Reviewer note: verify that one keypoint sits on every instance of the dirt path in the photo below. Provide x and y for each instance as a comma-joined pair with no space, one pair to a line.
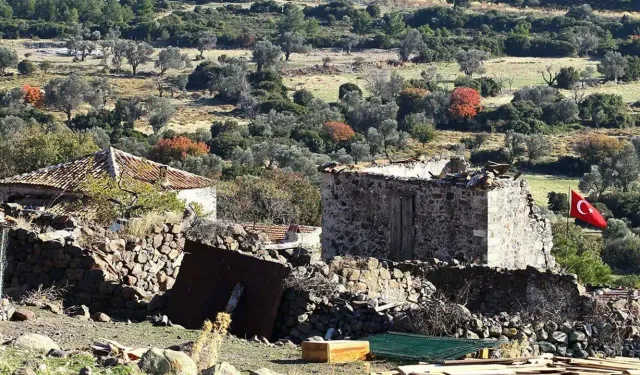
71,333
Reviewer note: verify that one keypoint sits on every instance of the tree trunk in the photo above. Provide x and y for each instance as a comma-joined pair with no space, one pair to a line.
133,68
286,56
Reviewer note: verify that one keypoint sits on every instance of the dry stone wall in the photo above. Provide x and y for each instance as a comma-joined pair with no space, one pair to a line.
105,271
498,227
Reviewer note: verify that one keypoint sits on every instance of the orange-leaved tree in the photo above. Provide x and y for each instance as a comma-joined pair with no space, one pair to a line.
339,131
33,96
178,148
464,103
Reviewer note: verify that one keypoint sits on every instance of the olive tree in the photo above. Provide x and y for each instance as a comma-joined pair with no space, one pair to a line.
171,58
206,41
8,58
613,66
137,53
292,42
472,61
66,94
266,55
159,112
411,43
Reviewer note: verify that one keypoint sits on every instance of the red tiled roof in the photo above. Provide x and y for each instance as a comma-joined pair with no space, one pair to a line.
276,233
71,176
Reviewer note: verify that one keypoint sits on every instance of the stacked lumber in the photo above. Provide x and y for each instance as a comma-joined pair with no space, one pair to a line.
546,364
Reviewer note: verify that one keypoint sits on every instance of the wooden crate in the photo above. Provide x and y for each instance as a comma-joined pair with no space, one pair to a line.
338,351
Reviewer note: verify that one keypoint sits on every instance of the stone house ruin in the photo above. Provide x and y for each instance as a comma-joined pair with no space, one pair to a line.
412,210
51,186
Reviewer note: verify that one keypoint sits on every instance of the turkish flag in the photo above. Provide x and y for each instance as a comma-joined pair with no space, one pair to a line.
583,210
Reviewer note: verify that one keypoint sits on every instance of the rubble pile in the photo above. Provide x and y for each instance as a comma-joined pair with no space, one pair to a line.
354,297
457,172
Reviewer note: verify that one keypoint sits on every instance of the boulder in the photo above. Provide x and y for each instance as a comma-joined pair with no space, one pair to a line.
559,337
223,368
35,342
22,315
263,371
101,317
546,347
159,362
575,336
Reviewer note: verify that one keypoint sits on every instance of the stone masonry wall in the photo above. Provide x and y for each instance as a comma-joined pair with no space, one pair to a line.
103,270
495,227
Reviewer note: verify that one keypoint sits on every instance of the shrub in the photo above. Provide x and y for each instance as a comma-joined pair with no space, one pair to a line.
177,148
338,131
348,87
27,68
605,110
558,202
465,103
579,253
302,97
281,106
567,77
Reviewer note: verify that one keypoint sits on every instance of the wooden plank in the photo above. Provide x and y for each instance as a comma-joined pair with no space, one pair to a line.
406,251
235,297
395,218
339,351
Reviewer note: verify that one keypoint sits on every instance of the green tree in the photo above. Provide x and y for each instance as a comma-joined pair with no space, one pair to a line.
290,43
568,77
292,21
137,53
206,41
8,58
27,68
472,61
411,43
125,197
171,58
394,23
361,22
66,94
579,253
266,55
613,66
423,133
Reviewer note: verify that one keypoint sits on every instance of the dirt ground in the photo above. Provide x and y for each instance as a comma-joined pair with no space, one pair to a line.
71,333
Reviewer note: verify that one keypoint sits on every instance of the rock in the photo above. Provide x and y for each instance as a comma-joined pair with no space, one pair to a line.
471,335
546,347
263,371
53,236
24,371
580,354
22,315
550,327
57,353
577,336
35,342
159,362
284,342
101,317
223,368
85,371
559,337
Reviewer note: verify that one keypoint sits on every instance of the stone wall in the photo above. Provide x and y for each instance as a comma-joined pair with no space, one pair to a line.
498,227
103,270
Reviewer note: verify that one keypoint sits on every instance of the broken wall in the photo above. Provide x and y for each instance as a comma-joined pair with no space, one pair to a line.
400,218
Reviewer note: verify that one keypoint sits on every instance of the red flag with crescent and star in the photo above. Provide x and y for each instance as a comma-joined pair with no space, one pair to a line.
583,210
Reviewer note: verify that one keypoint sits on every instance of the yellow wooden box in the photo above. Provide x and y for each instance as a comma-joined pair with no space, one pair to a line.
338,351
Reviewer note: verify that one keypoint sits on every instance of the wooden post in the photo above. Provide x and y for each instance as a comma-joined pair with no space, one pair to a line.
235,297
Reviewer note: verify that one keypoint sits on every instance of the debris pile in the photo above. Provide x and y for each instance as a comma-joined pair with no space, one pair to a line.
6,309
456,172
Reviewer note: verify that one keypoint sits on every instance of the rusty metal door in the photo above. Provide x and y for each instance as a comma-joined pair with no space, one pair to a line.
402,226
206,281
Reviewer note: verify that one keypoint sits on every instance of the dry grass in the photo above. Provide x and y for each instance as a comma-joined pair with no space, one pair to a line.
141,226
206,349
512,349
42,296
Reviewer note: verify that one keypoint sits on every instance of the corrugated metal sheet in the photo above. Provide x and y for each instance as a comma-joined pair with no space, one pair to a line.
206,280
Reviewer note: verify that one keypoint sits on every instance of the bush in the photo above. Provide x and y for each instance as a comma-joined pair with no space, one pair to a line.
605,110
282,106
567,77
558,202
26,67
302,97
628,281
579,253
348,87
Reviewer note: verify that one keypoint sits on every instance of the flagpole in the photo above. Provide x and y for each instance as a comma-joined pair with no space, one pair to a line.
566,238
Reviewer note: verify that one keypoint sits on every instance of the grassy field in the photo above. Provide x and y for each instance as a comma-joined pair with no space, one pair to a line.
541,185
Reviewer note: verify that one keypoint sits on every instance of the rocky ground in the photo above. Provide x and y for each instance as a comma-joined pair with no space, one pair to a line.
72,333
